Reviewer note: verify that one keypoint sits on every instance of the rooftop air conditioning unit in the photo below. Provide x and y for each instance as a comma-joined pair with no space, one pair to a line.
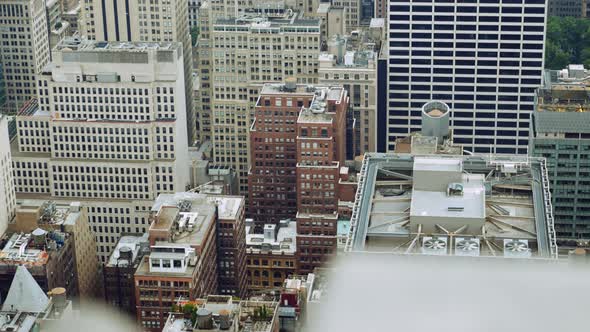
467,246
434,245
516,248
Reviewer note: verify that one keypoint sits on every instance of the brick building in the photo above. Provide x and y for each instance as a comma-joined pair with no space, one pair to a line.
231,244
321,152
119,284
273,151
271,255
182,263
298,143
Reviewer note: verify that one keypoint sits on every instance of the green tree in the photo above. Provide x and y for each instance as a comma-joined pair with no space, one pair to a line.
555,57
567,42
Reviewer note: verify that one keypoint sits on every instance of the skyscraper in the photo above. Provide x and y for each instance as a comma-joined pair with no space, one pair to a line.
115,116
143,21
24,48
237,56
484,59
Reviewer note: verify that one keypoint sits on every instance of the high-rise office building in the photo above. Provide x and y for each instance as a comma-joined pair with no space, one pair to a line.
484,59
7,194
321,151
560,132
109,129
24,49
273,152
237,56
143,21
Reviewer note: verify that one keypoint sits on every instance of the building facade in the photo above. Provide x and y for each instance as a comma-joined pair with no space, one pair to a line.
7,192
273,151
136,21
182,263
352,63
48,221
264,47
560,133
231,244
271,255
353,12
483,59
25,49
321,151
115,115
119,271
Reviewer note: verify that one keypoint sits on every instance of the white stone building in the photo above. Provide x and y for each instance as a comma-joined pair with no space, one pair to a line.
109,129
7,194
24,48
144,21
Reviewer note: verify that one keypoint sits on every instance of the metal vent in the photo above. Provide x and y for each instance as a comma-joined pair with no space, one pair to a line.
467,246
516,248
434,245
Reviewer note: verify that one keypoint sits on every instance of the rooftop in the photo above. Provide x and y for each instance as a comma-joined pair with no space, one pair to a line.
221,313
358,50
228,208
21,250
261,21
27,306
318,111
276,239
127,249
189,213
50,212
78,44
494,206
563,101
280,88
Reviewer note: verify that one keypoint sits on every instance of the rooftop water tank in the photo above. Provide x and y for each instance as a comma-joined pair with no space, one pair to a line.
435,120
204,319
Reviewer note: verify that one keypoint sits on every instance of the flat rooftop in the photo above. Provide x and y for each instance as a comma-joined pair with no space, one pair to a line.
262,21
133,243
494,205
282,242
51,212
318,111
192,212
282,89
84,45
228,207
